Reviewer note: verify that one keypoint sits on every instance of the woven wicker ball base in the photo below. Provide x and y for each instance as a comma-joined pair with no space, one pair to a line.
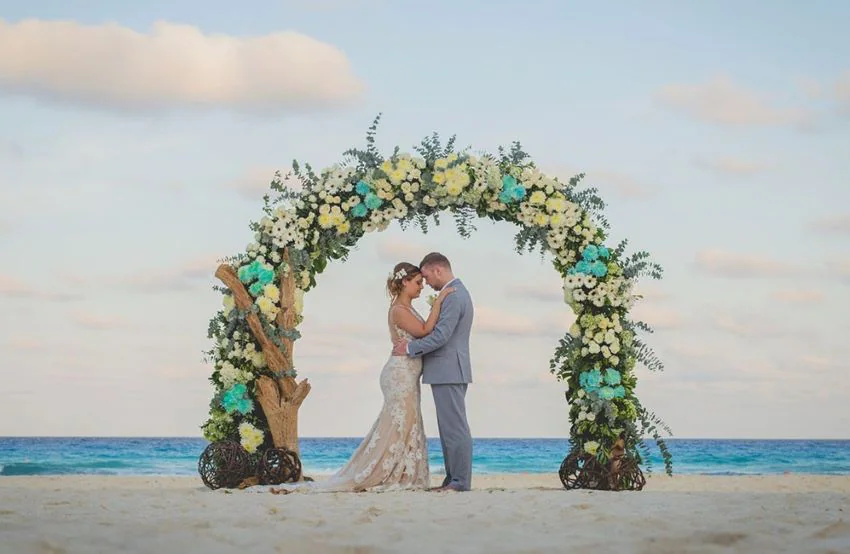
279,465
580,470
224,464
227,465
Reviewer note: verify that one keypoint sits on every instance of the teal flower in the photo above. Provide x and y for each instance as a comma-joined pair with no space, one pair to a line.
612,376
604,253
360,210
265,276
372,201
590,380
606,393
598,269
256,289
591,253
248,273
619,391
512,191
236,400
362,187
583,267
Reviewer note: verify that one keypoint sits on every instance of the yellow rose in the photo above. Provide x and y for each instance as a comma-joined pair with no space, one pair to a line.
439,178
454,189
271,291
541,220
325,221
441,163
537,197
343,228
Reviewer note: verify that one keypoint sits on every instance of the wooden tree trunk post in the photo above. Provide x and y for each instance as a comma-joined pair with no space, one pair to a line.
282,397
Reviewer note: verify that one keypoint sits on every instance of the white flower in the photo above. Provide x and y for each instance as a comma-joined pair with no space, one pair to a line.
591,447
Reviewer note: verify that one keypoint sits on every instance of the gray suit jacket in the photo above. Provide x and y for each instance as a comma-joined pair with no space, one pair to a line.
445,351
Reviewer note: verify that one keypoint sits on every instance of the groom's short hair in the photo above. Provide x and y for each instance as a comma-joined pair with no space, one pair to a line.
435,258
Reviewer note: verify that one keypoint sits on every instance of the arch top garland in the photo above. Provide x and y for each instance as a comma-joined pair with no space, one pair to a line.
302,230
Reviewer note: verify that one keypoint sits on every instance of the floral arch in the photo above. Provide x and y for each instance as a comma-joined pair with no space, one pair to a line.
301,231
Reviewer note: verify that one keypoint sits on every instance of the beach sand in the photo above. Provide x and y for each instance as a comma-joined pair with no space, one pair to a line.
518,513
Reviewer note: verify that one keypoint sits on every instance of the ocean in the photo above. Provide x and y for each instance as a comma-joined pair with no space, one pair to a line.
179,456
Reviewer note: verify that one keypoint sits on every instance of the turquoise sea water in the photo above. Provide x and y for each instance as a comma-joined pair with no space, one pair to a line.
179,456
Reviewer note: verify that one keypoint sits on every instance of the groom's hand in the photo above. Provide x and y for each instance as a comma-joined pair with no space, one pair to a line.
400,347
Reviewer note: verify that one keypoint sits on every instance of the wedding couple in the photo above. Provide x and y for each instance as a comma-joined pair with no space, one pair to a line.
394,454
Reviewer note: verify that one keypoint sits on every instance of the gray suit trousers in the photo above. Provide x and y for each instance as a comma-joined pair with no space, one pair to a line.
455,437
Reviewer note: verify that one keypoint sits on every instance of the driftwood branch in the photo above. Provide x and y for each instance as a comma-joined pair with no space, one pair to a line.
282,397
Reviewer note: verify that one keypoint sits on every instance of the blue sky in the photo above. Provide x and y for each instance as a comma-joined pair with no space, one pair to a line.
717,134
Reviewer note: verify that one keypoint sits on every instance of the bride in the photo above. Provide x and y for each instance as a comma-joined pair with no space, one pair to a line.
394,454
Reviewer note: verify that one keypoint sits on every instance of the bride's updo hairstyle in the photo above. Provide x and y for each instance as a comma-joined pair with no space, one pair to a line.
403,271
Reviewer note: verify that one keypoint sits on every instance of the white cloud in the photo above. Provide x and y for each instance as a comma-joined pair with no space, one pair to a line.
491,321
735,166
173,64
810,87
748,326
256,182
181,277
722,101
841,267
617,182
14,288
842,92
99,322
658,317
798,296
835,224
730,264
24,343
394,250
544,291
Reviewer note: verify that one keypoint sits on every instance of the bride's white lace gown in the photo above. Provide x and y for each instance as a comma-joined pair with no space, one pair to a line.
394,454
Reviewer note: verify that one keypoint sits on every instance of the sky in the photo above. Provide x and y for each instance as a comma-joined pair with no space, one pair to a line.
137,141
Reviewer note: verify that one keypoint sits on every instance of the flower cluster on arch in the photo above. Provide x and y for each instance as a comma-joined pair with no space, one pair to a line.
326,215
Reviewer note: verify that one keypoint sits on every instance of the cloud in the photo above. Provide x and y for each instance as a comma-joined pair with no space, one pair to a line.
11,150
724,102
798,296
14,288
748,326
256,182
658,317
835,224
541,291
841,268
178,278
172,65
97,322
617,182
842,93
818,362
25,343
735,166
392,250
494,322
730,264
810,87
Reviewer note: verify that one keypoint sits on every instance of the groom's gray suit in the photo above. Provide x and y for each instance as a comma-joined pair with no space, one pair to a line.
446,367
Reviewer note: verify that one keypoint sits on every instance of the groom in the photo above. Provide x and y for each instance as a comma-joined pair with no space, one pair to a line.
446,367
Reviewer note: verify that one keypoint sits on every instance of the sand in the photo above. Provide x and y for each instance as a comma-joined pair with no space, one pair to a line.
505,513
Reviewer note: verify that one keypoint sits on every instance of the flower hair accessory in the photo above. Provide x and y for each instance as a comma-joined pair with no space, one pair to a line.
400,274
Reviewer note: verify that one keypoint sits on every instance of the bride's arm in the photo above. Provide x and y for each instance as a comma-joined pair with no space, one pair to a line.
405,319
